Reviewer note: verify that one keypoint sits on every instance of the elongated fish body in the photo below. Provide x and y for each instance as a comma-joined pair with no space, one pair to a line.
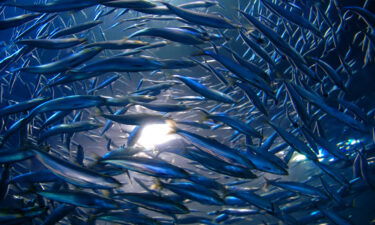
118,44
295,18
54,118
181,35
154,203
81,199
215,164
163,10
300,188
129,4
136,119
252,198
22,106
17,21
64,64
75,174
294,142
121,64
234,123
150,112
165,107
205,91
76,29
240,71
198,18
127,217
69,103
151,167
195,192
11,156
59,213
215,148
52,7
52,43
70,128
41,176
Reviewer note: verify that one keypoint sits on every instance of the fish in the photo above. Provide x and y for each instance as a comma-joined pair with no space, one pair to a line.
204,91
52,43
198,18
154,203
118,44
184,35
120,64
17,20
74,174
186,112
64,64
301,188
157,168
70,128
80,199
127,217
22,106
75,29
193,191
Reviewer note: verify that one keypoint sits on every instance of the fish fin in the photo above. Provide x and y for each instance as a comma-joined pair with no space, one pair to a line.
98,112
266,184
128,174
172,124
106,193
157,185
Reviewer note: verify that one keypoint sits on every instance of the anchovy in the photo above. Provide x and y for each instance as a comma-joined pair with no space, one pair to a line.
75,29
205,91
151,167
194,191
74,174
70,128
22,106
64,64
176,34
52,43
121,64
17,20
126,218
152,202
81,199
118,44
204,19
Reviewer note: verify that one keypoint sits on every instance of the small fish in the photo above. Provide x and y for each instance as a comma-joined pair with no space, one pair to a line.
52,43
74,174
151,167
205,91
64,64
81,199
17,20
199,18
152,202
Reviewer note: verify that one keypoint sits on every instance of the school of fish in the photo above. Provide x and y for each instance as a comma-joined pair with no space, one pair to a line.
270,103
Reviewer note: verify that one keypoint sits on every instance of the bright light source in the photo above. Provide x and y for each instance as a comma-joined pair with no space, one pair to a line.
155,134
298,157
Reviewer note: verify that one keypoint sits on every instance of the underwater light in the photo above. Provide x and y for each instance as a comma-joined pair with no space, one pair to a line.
298,157
155,134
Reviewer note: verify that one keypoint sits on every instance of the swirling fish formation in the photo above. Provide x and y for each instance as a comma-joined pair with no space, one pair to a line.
271,103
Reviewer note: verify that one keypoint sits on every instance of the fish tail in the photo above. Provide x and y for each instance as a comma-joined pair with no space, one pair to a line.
266,184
